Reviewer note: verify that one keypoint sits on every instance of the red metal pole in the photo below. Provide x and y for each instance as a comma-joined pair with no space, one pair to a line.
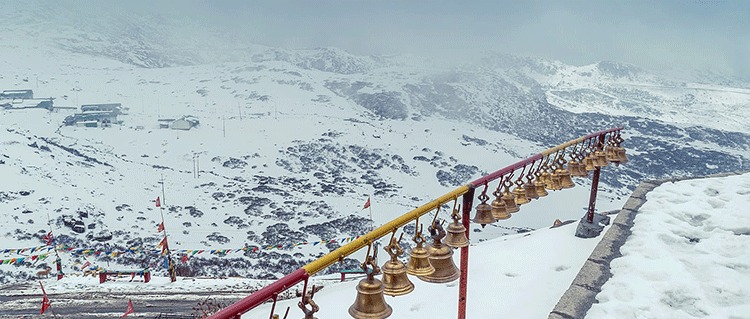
463,280
238,308
594,188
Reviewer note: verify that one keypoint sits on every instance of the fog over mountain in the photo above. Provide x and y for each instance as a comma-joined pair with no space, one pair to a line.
699,38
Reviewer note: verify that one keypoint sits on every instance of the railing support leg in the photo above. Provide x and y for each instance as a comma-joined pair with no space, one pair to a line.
594,189
463,279
592,197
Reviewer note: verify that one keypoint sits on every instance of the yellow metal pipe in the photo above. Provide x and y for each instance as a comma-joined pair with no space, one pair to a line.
348,249
567,144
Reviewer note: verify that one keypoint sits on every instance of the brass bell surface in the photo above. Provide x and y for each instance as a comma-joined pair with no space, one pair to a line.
540,190
554,183
545,179
600,159
530,189
589,162
621,154
395,280
498,209
441,257
498,206
565,180
520,194
611,154
419,262
510,202
456,237
575,169
582,172
370,302
484,212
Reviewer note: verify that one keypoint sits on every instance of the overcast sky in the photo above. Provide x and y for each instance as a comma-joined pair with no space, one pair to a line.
653,34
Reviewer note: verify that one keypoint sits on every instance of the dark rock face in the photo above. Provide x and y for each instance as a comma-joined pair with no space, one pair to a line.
234,163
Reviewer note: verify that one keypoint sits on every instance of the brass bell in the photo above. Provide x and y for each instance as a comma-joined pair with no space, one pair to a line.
565,180
589,162
611,154
621,154
498,207
582,170
539,184
540,191
520,194
600,159
530,188
441,257
395,280
554,182
484,212
510,200
456,237
575,168
370,302
419,262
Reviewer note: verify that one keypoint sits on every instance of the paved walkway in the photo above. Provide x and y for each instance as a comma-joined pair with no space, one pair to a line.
581,294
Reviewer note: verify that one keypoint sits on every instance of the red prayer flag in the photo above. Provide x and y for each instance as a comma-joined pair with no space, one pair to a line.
367,203
130,309
158,202
86,264
184,258
163,244
45,300
48,238
160,227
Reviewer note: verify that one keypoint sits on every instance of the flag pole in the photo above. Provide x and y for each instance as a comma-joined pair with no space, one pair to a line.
369,208
170,265
58,261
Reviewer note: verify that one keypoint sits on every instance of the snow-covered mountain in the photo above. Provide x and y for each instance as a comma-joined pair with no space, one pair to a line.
292,142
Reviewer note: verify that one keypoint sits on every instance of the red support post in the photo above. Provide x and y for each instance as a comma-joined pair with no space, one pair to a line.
594,188
463,279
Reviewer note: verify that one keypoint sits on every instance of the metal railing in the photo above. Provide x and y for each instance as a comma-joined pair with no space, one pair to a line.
590,143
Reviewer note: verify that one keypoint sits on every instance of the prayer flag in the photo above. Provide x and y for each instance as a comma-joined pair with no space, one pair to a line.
130,309
367,203
45,300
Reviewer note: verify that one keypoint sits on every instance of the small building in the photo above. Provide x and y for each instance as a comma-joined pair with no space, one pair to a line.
92,119
105,107
184,123
17,94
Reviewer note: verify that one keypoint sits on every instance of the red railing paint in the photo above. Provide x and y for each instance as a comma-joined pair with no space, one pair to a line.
238,308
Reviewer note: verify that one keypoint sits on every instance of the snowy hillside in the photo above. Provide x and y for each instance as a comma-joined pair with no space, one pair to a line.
292,142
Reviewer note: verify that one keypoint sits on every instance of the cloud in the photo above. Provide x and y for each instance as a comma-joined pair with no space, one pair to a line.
662,35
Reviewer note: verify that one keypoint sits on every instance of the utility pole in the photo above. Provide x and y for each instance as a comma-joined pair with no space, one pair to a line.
196,165
240,110
224,126
194,156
